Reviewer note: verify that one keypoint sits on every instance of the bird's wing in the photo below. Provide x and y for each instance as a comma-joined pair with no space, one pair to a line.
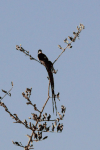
42,57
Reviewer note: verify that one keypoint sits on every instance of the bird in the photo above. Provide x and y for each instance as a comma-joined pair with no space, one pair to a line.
50,69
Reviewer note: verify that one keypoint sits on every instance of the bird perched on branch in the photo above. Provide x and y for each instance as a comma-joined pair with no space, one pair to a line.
50,69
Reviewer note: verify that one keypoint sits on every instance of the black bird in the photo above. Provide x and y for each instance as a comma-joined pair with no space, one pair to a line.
49,67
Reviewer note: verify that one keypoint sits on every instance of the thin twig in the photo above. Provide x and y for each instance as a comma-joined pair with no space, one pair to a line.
77,35
26,52
60,54
6,94
33,132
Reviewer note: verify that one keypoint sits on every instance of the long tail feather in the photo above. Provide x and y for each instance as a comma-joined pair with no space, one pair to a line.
52,86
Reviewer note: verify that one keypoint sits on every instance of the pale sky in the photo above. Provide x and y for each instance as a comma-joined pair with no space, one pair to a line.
42,24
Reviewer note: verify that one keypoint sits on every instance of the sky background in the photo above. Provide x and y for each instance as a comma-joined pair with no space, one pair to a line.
41,24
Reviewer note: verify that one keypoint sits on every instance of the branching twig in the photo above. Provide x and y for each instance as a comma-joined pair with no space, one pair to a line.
7,93
59,55
25,52
40,114
76,34
41,128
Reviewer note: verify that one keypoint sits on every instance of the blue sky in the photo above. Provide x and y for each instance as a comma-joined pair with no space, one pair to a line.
43,25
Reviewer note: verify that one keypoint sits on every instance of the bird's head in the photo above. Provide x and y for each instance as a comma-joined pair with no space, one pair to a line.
39,51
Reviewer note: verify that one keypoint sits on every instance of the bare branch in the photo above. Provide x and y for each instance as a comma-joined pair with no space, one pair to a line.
76,34
37,131
25,52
